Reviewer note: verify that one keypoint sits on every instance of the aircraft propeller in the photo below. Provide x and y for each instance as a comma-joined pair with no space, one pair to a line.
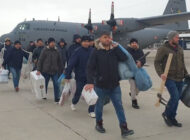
112,22
89,26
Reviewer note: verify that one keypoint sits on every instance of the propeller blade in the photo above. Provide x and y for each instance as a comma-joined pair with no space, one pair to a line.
89,19
112,11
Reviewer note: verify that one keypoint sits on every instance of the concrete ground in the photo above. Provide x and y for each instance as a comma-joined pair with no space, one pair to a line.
23,117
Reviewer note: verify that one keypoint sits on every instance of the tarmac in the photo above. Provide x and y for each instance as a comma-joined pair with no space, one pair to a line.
23,117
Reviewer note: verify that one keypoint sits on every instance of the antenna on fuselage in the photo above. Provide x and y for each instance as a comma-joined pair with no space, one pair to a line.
58,18
33,19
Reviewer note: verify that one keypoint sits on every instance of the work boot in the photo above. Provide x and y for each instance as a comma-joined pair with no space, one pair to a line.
176,123
125,131
167,120
17,89
135,104
99,127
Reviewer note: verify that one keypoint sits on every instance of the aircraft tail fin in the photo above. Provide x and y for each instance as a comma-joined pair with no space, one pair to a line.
174,7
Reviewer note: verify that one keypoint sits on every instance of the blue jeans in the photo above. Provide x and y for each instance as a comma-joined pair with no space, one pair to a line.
80,85
174,89
115,96
8,68
55,84
16,76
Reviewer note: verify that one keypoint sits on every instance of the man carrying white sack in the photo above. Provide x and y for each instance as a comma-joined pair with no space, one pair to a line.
78,63
103,69
49,65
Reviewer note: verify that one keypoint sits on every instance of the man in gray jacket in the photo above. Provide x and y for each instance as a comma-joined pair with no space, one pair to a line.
49,65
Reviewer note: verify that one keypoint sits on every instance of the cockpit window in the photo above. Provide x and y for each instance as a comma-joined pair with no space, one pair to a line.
22,27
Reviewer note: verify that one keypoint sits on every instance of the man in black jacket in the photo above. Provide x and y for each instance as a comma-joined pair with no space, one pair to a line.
137,54
6,50
62,51
103,72
37,51
31,47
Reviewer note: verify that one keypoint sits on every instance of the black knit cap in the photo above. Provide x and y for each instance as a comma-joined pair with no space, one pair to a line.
76,36
39,39
17,42
62,40
133,40
85,38
91,38
51,39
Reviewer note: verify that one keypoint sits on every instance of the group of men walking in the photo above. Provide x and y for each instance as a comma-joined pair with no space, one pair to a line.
95,66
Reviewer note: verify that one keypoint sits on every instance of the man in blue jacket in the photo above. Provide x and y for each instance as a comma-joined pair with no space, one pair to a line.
14,59
75,45
78,62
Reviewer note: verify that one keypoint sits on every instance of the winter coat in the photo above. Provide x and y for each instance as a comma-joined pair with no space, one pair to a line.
103,66
177,69
15,58
137,54
71,49
49,61
78,62
62,52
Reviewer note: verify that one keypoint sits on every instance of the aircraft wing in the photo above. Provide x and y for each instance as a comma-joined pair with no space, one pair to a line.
164,19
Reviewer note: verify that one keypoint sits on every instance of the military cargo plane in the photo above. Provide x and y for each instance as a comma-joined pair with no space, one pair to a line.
146,30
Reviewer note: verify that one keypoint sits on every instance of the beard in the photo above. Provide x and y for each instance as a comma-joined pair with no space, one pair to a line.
106,44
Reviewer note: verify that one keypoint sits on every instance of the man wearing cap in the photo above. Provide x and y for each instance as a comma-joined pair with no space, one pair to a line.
62,50
174,79
31,47
91,42
14,59
6,49
49,65
103,76
37,51
78,63
136,53
75,45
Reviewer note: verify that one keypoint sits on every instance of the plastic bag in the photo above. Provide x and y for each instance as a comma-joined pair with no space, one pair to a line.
90,97
27,66
61,83
65,93
38,85
185,97
142,80
4,76
73,87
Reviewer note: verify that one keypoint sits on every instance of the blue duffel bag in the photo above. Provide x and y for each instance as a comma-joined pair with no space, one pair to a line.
128,70
142,80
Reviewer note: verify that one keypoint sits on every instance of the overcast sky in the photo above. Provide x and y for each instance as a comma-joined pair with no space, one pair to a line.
14,11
